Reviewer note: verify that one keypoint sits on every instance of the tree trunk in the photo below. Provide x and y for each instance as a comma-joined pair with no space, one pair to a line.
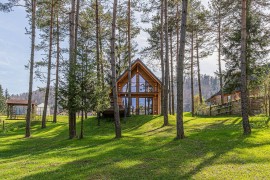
85,115
44,115
101,55
82,119
166,93
97,50
268,100
244,94
265,98
219,57
72,63
33,38
129,58
199,70
192,73
177,32
115,95
76,26
169,92
57,68
97,43
180,73
172,84
162,55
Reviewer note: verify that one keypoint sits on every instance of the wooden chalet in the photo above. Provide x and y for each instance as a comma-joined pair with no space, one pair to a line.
145,91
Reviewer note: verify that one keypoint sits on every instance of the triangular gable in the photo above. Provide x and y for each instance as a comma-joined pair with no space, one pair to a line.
136,63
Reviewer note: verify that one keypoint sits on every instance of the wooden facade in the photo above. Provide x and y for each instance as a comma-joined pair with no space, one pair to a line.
145,90
227,97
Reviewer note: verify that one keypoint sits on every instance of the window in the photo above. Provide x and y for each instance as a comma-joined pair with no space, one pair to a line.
145,106
133,104
133,85
143,85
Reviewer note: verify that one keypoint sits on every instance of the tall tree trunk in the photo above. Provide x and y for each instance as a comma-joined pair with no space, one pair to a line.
72,63
219,56
76,26
97,43
115,95
265,98
268,100
169,93
172,84
180,73
44,115
192,73
166,93
101,57
57,67
177,32
129,58
162,55
97,52
33,38
244,94
199,70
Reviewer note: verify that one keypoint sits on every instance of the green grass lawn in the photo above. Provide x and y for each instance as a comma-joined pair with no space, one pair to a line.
214,148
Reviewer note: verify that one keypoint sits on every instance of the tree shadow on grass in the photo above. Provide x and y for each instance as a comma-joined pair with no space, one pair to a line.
55,136
134,157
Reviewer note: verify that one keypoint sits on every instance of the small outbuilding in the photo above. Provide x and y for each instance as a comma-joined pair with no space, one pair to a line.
17,109
40,109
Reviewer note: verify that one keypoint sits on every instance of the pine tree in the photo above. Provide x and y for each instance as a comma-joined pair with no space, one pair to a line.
72,72
44,115
33,38
244,93
180,72
166,64
115,98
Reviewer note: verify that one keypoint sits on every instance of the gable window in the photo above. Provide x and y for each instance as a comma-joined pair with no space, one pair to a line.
143,85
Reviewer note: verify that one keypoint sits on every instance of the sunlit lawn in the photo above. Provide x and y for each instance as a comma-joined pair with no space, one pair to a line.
214,148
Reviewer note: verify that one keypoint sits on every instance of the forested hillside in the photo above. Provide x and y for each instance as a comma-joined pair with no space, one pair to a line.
209,84
38,96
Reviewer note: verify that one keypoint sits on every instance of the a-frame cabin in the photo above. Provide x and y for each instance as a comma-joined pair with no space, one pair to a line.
145,90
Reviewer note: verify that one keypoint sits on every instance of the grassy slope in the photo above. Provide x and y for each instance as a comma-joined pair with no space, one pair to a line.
214,149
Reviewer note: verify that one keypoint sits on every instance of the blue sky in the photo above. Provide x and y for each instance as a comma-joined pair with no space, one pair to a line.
15,52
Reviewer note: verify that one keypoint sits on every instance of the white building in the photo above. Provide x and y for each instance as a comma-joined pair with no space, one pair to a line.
40,109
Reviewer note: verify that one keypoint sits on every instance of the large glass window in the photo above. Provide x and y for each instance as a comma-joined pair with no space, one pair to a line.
133,104
142,84
133,85
145,106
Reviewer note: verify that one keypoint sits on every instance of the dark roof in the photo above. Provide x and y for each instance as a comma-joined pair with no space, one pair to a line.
134,63
18,102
